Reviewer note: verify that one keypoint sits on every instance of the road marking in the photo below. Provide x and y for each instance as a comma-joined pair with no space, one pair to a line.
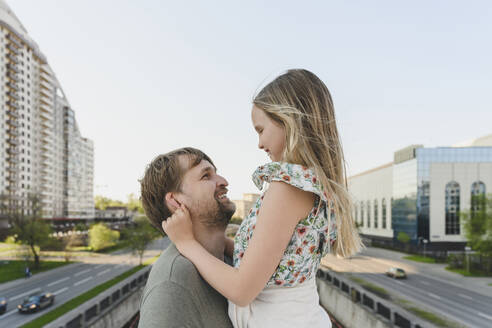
399,282
484,315
434,296
81,272
58,281
25,294
98,266
58,292
8,313
103,272
424,283
466,296
82,281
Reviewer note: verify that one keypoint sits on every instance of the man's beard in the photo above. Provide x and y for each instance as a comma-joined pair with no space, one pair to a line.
214,214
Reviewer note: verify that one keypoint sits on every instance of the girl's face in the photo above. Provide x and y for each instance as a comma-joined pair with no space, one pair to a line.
271,134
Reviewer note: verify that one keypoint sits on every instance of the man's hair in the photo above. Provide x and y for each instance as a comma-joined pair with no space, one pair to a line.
165,174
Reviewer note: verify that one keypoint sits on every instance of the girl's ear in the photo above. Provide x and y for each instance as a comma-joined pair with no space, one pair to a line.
172,203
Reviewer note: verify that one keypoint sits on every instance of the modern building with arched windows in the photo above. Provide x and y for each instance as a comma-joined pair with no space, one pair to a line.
422,193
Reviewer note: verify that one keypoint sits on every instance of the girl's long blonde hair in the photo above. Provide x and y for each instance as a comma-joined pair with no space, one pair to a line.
300,102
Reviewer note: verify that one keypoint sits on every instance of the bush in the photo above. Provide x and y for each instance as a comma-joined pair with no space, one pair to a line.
11,240
100,236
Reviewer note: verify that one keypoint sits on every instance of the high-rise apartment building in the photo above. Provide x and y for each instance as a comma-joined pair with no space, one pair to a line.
41,149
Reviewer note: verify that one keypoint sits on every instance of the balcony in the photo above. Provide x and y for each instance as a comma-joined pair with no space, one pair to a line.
46,108
46,101
44,115
13,68
13,113
12,58
14,40
13,140
45,84
45,93
13,123
13,169
13,151
13,95
13,49
13,86
14,160
13,132
13,104
47,124
12,76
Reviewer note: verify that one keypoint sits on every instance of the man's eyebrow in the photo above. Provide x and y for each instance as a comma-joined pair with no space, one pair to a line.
208,169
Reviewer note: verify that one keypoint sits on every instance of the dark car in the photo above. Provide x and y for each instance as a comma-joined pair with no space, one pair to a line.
36,302
3,305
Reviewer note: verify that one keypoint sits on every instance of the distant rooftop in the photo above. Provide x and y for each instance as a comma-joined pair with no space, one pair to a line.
485,141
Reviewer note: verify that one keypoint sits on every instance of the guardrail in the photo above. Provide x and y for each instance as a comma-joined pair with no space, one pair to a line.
386,311
97,307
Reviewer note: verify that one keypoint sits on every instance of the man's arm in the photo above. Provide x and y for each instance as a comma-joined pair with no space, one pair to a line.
169,305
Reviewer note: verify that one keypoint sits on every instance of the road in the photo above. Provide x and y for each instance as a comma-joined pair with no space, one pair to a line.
70,281
431,293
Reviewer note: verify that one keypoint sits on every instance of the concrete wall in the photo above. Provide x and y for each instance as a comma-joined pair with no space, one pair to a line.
355,307
121,314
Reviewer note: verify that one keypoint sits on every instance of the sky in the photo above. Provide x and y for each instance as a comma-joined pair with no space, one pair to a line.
146,77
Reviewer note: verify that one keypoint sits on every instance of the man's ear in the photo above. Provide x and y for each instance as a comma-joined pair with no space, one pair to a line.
172,203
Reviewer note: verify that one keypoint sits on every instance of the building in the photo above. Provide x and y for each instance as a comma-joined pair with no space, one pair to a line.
41,149
244,205
422,193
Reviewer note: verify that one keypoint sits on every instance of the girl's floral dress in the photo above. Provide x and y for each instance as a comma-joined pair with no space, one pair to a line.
313,235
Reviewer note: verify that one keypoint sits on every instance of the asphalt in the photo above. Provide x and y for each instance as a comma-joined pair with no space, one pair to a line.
467,301
68,282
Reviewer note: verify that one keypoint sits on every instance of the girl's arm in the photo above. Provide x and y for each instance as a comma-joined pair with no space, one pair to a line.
282,208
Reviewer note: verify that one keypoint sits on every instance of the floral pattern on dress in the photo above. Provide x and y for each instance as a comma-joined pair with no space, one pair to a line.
308,244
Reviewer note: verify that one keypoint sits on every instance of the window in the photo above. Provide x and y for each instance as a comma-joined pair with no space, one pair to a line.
452,208
368,214
361,214
478,199
383,208
376,218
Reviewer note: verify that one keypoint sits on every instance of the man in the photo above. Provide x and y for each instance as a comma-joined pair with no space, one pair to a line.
175,294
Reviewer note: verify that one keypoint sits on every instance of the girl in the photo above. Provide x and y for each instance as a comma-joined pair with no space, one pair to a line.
304,214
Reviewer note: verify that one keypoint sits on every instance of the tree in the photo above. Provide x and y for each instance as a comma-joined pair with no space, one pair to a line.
141,235
28,226
403,237
134,204
477,224
100,236
102,202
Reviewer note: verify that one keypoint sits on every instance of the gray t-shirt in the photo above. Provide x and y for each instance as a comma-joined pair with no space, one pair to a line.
177,296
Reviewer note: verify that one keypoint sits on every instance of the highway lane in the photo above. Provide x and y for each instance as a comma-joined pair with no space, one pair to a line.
67,283
441,297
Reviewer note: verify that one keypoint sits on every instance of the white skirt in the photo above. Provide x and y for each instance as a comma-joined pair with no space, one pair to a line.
295,307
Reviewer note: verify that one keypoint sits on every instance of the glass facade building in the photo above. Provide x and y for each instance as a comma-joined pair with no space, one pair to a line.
411,189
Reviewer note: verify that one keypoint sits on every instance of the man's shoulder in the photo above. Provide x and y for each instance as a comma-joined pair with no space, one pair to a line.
173,267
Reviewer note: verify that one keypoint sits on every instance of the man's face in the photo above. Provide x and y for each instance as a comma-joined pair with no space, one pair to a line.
203,192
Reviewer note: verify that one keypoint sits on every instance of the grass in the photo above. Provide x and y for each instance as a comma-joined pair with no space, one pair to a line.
381,292
419,258
73,303
12,270
426,315
466,273
119,245
490,284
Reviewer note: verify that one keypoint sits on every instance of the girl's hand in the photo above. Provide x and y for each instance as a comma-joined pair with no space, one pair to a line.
179,228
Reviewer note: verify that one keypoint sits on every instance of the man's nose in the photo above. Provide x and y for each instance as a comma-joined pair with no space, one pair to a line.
260,144
221,181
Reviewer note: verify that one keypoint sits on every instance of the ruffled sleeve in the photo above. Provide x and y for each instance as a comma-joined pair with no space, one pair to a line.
294,174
